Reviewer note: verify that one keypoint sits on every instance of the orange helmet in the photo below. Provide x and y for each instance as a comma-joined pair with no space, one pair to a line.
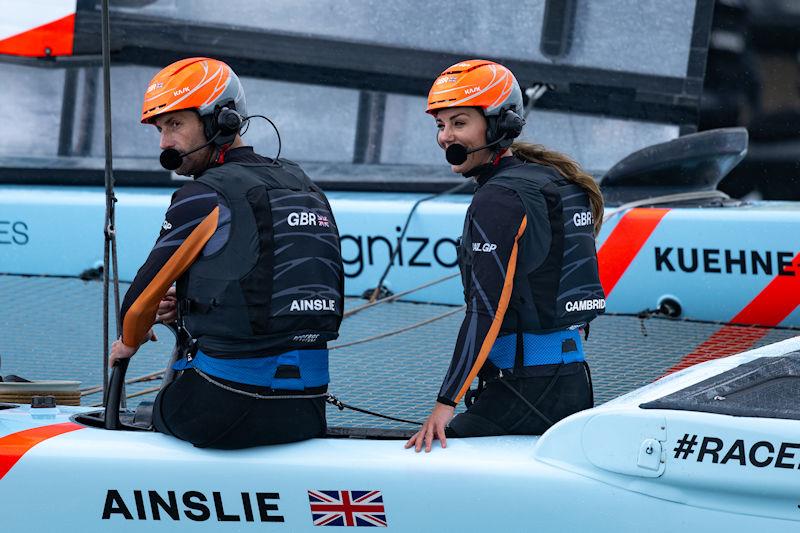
476,83
195,83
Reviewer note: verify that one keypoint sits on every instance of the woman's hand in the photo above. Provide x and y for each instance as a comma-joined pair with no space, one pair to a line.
433,428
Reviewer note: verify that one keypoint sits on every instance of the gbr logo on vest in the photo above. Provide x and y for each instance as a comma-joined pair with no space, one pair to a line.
584,218
307,218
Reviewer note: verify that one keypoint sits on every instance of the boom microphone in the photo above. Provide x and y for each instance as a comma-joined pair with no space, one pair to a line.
171,159
456,154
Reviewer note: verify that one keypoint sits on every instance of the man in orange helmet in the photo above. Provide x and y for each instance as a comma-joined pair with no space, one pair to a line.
254,249
528,263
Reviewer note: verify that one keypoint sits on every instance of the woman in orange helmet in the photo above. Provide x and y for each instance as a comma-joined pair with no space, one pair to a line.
528,264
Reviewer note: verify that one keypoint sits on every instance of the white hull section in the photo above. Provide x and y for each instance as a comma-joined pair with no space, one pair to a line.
613,468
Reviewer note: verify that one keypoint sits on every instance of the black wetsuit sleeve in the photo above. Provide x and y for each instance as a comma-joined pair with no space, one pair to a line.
189,223
496,221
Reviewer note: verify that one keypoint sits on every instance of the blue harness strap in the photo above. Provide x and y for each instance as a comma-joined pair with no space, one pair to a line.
539,349
294,370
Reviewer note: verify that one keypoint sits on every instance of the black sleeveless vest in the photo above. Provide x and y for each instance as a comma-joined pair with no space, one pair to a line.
564,290
277,283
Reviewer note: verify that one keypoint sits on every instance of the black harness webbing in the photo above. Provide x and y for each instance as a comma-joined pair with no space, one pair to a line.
519,358
532,406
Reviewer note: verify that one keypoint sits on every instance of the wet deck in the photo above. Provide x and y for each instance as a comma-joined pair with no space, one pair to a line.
51,328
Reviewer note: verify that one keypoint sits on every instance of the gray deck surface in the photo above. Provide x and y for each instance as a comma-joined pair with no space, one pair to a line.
51,328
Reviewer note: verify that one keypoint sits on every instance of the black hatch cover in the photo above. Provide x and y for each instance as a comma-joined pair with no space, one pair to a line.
767,387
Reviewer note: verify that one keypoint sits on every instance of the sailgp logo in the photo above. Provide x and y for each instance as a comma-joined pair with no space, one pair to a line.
313,305
483,247
585,305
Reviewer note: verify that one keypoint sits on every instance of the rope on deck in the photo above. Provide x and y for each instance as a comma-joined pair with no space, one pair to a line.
399,330
399,295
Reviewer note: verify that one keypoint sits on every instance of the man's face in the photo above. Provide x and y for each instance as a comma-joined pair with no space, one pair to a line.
183,131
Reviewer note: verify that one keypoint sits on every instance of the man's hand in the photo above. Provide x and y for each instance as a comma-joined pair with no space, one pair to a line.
433,428
167,308
120,351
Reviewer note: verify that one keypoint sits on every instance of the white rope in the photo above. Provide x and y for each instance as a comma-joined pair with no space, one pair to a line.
398,331
398,295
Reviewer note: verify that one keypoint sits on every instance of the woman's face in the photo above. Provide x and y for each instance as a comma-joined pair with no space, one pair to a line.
465,126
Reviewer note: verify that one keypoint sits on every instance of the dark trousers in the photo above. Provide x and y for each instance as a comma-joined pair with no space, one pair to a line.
195,410
555,392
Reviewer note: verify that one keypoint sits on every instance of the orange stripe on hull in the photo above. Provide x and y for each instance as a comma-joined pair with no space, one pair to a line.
769,308
776,301
624,244
14,446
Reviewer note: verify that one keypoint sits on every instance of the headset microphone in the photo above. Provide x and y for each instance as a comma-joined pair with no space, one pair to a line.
456,154
171,159
507,127
224,123
227,123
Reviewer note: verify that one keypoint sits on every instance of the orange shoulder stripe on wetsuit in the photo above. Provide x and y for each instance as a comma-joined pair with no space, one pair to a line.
141,314
497,320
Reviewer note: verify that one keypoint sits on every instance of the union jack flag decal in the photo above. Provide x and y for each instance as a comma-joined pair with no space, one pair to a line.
359,508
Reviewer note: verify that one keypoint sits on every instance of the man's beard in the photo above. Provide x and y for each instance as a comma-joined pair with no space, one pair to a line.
196,163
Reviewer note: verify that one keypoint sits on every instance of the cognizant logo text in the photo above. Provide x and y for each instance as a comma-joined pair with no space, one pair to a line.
360,251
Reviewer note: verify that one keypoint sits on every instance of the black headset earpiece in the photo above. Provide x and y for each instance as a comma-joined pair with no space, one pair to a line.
510,123
228,121
504,128
507,125
225,123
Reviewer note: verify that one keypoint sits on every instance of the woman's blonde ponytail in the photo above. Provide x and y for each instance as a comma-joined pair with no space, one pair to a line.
536,153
